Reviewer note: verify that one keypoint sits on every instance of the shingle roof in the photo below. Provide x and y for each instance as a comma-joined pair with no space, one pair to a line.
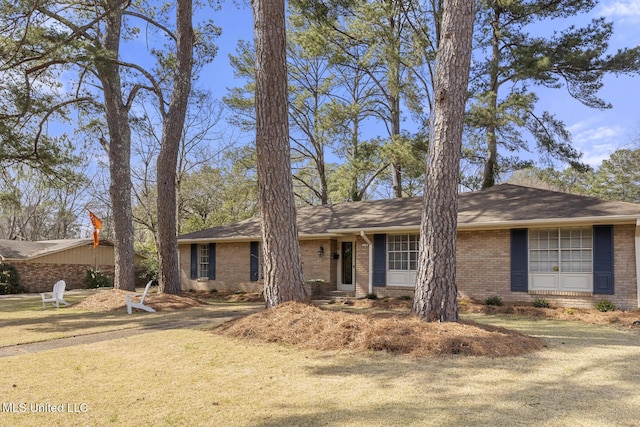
22,250
496,207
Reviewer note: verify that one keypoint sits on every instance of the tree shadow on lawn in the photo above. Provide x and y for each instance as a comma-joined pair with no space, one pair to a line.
31,302
374,414
575,334
44,325
584,378
445,395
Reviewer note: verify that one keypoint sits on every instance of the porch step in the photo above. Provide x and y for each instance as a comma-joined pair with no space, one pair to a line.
333,295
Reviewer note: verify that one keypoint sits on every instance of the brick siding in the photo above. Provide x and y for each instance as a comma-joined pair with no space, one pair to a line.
484,270
232,267
361,249
483,262
38,277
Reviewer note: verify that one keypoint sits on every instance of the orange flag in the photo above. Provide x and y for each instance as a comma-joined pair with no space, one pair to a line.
97,226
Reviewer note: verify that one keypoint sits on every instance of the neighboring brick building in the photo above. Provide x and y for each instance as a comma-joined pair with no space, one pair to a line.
515,242
40,264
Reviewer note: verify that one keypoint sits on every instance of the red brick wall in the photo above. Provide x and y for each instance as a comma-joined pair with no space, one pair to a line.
41,277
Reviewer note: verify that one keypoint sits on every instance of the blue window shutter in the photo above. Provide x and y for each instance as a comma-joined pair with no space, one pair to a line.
212,261
194,261
603,259
519,260
379,260
254,262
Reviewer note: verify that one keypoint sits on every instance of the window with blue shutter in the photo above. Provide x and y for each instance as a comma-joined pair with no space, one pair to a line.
203,261
379,260
194,261
212,261
254,261
603,259
519,261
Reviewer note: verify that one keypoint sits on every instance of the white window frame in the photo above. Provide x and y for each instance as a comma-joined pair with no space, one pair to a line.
561,259
402,259
203,261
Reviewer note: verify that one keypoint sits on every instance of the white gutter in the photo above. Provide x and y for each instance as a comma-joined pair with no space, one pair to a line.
637,239
366,239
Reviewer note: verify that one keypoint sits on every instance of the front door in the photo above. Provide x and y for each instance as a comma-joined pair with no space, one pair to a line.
346,270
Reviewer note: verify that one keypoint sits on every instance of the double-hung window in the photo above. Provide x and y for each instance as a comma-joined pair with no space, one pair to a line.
561,258
402,259
203,261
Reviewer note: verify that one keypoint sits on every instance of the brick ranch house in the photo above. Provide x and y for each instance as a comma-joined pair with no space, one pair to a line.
42,263
515,242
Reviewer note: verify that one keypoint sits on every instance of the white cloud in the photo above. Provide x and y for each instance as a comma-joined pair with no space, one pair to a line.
597,143
623,9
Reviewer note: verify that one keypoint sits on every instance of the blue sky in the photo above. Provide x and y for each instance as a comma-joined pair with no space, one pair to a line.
599,133
596,133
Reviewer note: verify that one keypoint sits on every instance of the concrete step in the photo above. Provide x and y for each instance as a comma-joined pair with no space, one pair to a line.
334,295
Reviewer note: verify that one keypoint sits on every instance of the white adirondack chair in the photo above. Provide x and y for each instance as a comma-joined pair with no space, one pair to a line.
56,297
139,304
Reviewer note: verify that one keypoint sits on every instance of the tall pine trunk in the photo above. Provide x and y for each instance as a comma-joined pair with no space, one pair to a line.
490,170
435,298
173,124
283,280
119,150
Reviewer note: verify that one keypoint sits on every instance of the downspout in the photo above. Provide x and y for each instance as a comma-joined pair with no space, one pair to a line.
638,260
366,239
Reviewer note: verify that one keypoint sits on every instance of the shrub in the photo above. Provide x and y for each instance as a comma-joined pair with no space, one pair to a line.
404,298
96,279
605,305
372,296
570,311
493,300
148,270
10,280
541,303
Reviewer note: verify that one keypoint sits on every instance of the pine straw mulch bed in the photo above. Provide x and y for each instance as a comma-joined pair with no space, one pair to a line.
371,325
311,327
114,299
623,319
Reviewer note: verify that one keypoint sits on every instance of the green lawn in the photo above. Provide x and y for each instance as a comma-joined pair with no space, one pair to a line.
588,376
